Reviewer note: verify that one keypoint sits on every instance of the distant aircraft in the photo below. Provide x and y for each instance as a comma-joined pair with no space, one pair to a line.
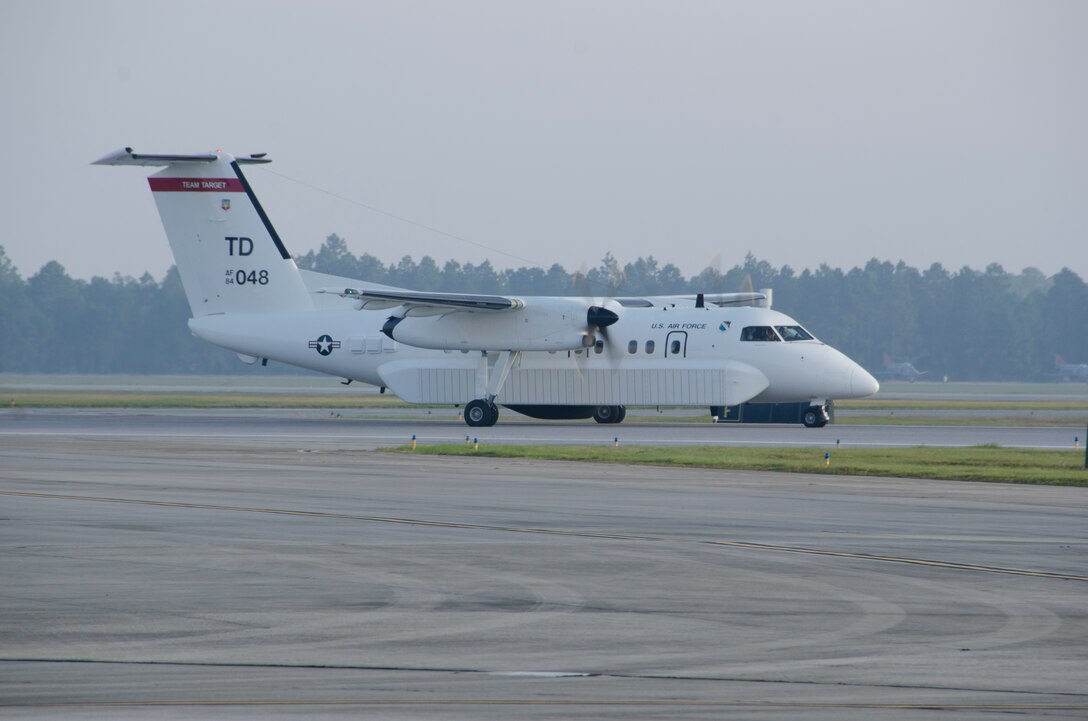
547,357
899,371
1071,372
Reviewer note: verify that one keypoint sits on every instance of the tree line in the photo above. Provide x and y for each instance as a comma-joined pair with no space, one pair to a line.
965,324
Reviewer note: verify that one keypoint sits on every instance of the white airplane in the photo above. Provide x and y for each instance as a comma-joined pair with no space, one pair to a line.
543,356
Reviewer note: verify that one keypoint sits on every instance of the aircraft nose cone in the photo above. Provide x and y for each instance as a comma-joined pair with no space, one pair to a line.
862,383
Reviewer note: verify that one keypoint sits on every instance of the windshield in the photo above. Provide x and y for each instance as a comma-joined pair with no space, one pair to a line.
759,332
793,332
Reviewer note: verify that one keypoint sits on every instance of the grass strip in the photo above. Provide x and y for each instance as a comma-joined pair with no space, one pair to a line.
960,404
175,399
309,399
977,463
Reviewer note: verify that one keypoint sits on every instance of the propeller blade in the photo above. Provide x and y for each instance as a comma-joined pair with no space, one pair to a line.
612,350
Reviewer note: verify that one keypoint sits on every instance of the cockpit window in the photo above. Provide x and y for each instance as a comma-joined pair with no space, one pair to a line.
793,332
759,332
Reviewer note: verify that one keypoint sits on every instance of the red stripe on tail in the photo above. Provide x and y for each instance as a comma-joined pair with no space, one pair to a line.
196,185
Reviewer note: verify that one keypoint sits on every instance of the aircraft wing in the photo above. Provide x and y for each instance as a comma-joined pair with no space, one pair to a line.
694,300
380,299
722,299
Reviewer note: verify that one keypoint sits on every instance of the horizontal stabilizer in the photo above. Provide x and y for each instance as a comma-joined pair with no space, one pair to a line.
125,156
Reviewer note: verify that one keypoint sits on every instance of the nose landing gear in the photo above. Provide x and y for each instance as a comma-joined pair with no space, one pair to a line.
815,417
609,414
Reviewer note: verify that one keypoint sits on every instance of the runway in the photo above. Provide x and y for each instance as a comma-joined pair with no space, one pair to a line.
367,429
220,567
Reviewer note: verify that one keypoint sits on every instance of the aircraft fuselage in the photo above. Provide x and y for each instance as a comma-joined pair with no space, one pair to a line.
654,356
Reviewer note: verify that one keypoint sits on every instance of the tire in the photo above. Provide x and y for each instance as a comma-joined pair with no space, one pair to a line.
814,417
606,414
621,414
480,413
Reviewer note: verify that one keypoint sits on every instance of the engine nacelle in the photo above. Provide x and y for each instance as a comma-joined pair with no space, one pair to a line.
541,324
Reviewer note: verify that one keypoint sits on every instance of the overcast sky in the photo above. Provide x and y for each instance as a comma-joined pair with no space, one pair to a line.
554,132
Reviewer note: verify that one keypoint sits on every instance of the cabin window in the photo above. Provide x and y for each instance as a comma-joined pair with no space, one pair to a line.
793,332
649,347
759,333
632,347
598,347
674,347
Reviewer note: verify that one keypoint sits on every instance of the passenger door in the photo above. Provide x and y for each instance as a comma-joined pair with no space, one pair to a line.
676,344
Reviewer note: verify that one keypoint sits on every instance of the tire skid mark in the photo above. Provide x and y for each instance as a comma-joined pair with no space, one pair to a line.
743,545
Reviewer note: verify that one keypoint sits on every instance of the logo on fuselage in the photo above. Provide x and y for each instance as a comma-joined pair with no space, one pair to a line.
724,325
324,344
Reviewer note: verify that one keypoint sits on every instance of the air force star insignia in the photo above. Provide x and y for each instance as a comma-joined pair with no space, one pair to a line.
324,344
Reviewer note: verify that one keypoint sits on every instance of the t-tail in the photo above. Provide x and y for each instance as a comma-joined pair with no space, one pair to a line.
230,258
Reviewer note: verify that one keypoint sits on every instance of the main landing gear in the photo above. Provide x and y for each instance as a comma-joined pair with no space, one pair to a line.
609,414
481,413
490,377
815,416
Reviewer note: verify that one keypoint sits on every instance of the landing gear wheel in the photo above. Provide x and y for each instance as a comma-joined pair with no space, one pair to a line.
480,413
609,414
814,417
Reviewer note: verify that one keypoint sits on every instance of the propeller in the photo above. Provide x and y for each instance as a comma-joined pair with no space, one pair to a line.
600,314
600,318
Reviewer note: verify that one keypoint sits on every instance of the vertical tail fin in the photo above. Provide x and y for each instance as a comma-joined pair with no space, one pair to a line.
229,256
